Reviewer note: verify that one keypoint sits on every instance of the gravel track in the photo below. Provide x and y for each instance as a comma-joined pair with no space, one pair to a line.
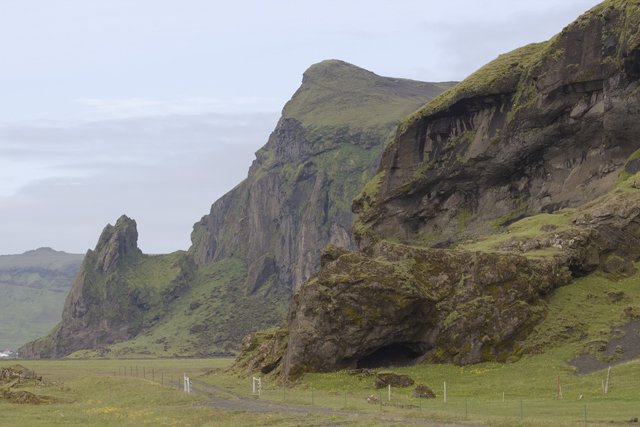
240,403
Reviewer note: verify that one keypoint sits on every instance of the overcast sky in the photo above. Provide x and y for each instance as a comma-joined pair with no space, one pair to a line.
154,108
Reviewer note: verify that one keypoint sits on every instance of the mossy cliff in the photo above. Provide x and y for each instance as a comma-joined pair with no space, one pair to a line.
513,149
459,306
477,303
104,304
547,126
260,240
297,196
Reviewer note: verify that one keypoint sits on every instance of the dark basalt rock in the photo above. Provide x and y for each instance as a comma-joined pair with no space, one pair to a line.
424,391
542,128
449,305
297,195
392,379
446,306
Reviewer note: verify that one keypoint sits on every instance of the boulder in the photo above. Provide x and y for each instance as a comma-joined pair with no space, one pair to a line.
392,379
424,391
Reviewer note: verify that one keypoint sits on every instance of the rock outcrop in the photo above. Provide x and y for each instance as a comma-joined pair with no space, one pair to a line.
296,198
104,306
456,306
547,126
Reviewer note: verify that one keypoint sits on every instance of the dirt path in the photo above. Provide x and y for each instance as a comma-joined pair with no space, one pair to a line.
629,344
240,403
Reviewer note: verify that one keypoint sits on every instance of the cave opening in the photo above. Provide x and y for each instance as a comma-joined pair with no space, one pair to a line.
393,355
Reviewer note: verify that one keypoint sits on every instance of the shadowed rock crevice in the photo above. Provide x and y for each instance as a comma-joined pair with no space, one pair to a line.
393,355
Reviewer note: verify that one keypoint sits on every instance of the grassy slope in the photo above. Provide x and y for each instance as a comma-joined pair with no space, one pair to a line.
577,315
212,316
346,95
33,288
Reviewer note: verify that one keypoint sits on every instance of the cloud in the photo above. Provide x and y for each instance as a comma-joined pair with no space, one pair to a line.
142,107
66,183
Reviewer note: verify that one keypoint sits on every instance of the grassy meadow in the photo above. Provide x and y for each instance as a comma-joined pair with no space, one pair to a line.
578,315
475,393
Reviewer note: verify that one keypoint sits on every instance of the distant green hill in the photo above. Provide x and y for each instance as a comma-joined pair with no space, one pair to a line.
33,288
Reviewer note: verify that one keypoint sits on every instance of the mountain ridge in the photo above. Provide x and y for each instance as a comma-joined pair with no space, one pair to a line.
258,241
516,147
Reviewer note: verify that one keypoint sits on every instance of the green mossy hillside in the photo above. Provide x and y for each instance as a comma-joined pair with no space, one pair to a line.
209,319
33,288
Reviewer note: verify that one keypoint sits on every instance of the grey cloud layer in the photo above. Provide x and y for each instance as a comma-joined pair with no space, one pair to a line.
162,171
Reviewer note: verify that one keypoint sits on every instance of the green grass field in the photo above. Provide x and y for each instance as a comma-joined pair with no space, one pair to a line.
477,392
103,395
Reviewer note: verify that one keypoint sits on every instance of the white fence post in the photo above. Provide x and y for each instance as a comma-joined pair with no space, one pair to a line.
259,381
188,387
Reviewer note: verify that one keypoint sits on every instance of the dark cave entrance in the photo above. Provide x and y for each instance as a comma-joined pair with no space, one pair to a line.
394,355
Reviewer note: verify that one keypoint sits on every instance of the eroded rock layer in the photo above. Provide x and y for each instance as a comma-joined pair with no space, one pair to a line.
455,306
297,196
547,126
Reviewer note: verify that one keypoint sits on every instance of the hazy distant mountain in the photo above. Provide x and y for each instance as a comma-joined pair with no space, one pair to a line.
33,288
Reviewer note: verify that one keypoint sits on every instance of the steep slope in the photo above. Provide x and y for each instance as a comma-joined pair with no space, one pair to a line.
169,304
297,196
259,241
33,288
545,127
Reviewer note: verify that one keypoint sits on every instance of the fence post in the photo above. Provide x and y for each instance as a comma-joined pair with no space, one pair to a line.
389,392
445,392
585,414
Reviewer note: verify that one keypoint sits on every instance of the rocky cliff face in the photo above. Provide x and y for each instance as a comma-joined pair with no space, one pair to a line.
420,305
103,305
296,198
546,126
258,242
513,148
